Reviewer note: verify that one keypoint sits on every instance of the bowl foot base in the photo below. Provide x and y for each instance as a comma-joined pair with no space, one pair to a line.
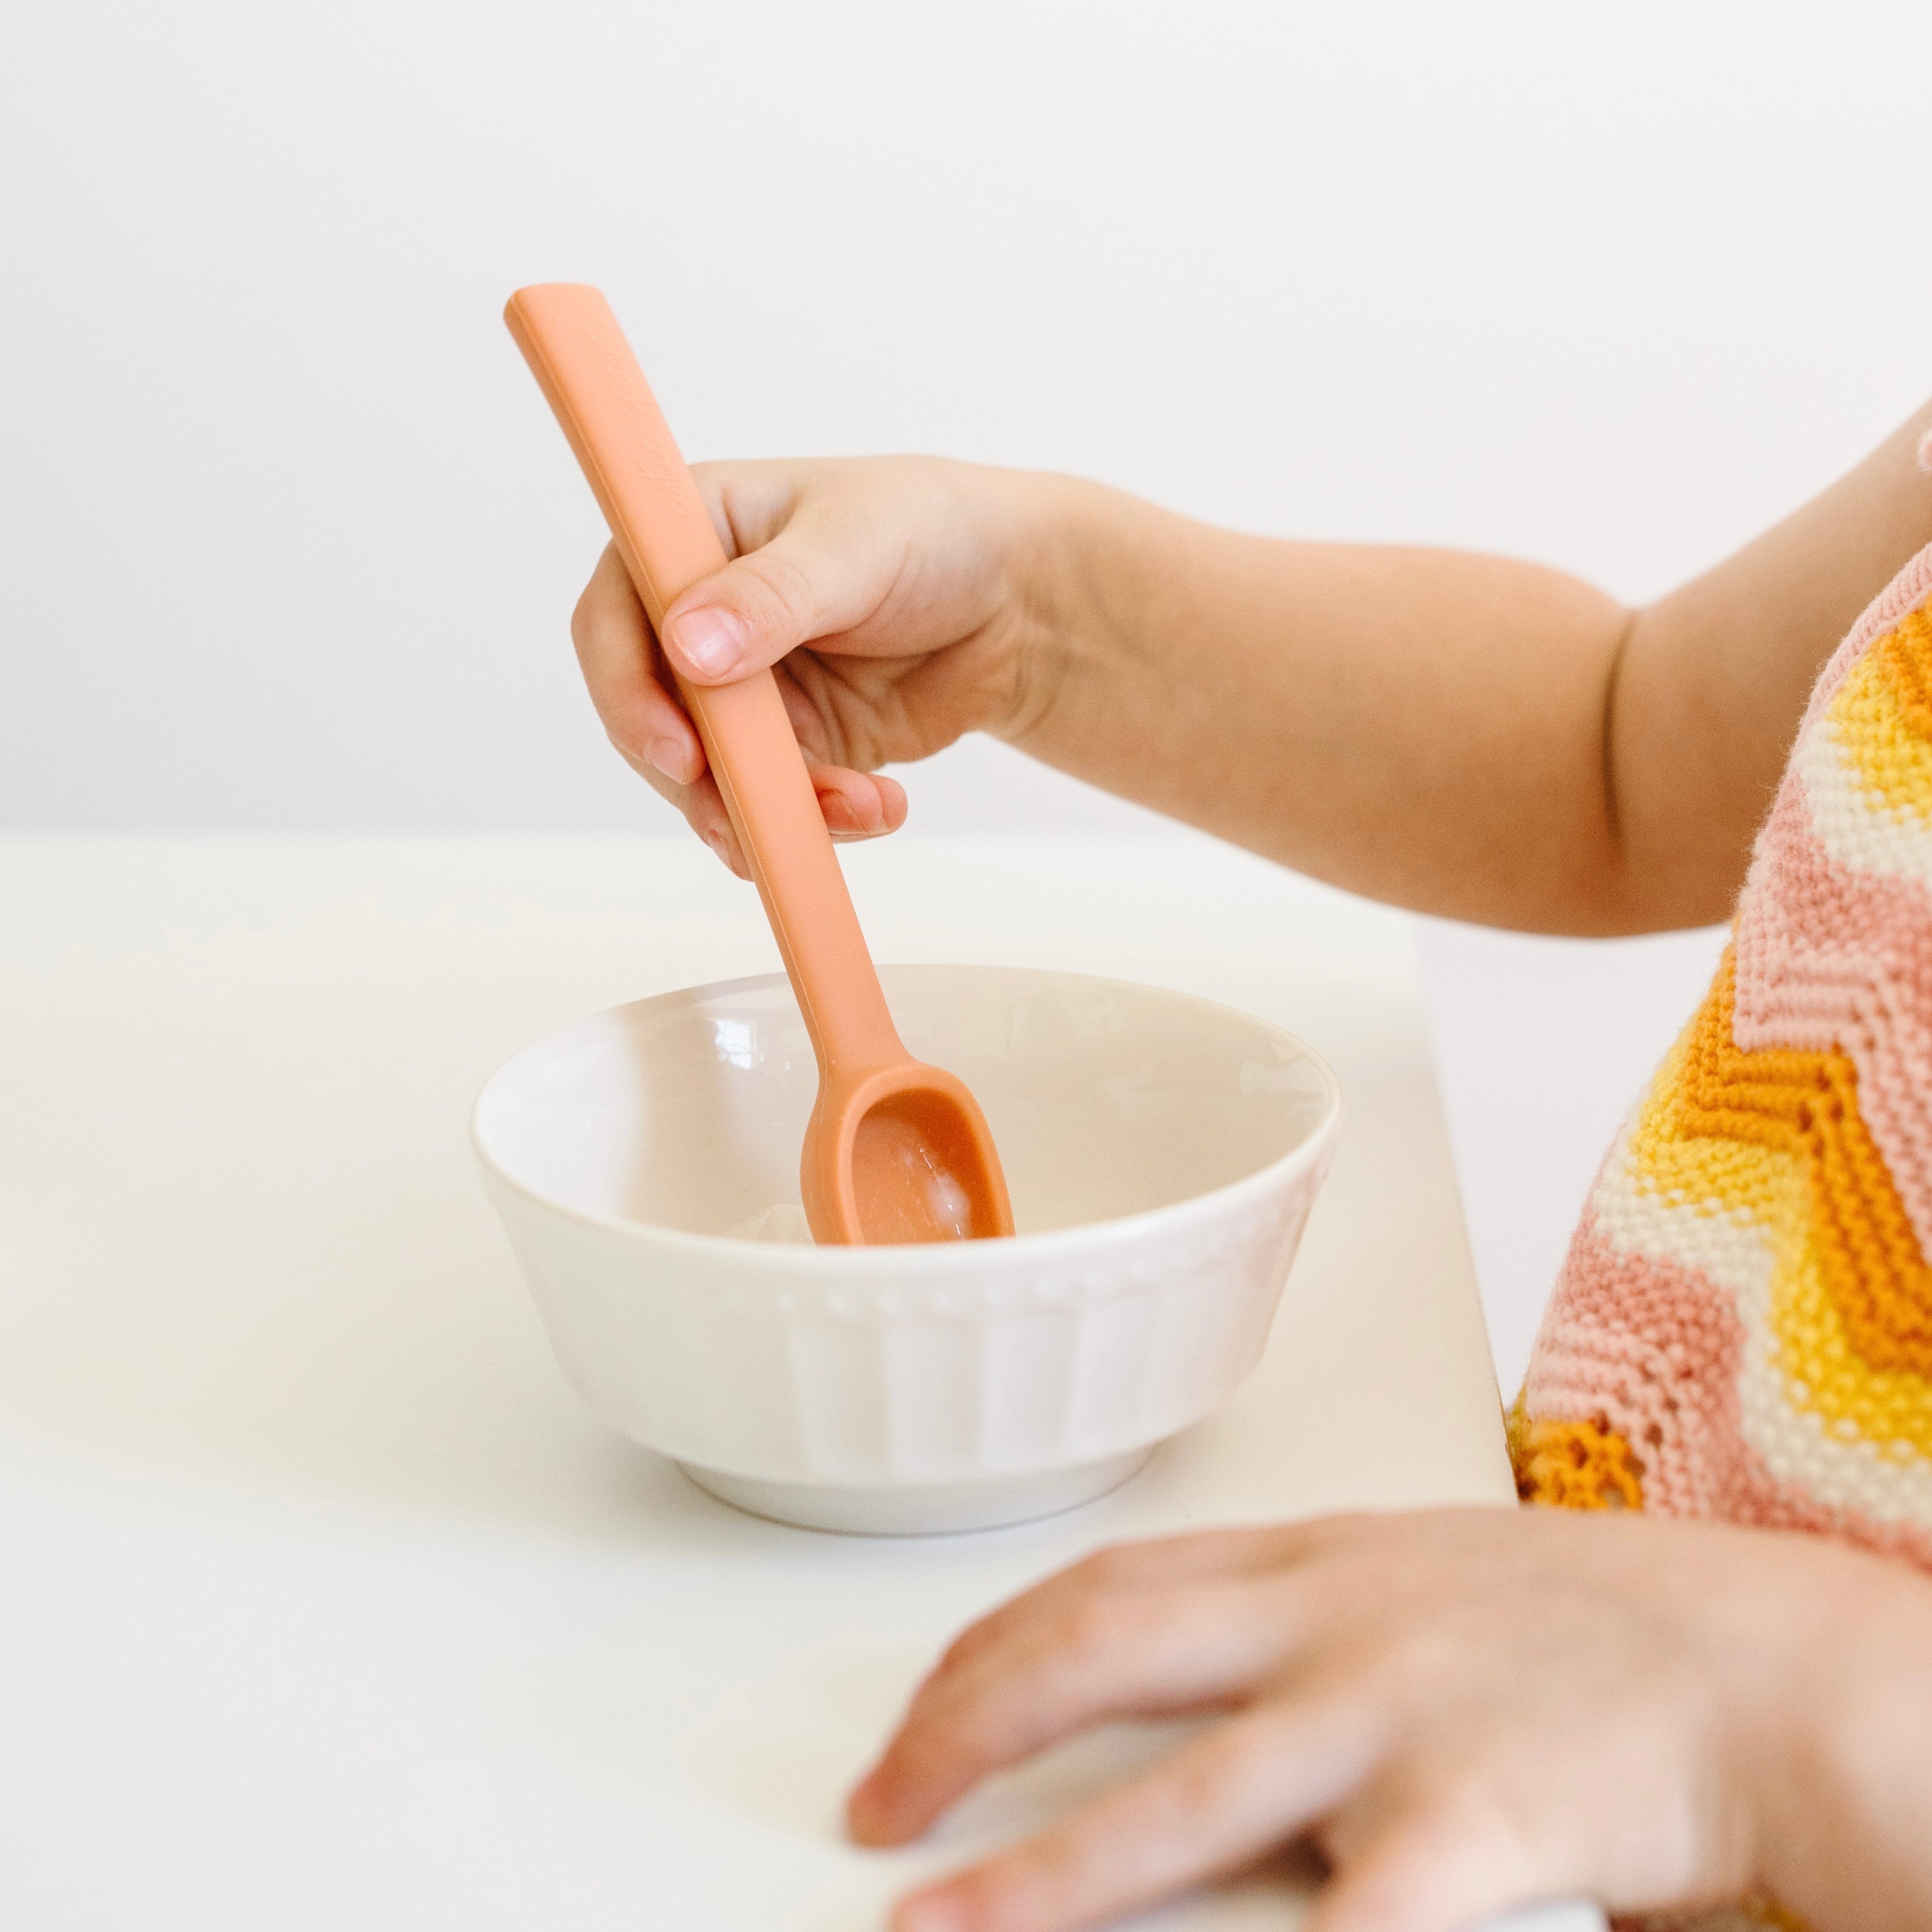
930,1509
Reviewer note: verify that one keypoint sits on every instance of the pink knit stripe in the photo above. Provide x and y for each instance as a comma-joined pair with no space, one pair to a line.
1603,1356
1907,590
1827,959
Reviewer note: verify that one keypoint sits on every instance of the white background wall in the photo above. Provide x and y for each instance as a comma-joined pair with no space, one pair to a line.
290,539
287,539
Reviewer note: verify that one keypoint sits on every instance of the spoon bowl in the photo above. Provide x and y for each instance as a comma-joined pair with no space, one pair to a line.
902,1155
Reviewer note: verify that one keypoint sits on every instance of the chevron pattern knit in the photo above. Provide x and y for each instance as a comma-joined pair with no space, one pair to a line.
1742,1329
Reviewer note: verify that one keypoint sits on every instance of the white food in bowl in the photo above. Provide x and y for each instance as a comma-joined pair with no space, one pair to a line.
1162,1154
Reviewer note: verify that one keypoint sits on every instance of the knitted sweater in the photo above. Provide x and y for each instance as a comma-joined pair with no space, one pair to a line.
1742,1329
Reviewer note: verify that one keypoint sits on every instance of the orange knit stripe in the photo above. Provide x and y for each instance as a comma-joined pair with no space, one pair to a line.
1903,658
1572,1465
1806,1104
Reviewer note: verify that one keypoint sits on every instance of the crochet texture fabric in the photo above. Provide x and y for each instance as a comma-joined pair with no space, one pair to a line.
1742,1328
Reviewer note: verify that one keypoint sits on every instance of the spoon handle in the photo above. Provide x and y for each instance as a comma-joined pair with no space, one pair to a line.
580,358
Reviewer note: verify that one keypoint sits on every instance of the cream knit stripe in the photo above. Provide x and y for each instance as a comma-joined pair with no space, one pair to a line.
1852,827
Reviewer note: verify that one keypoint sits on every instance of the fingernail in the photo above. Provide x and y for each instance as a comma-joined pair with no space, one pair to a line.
668,756
710,641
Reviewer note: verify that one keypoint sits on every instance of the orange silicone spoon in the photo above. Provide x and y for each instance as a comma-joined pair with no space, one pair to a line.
895,1150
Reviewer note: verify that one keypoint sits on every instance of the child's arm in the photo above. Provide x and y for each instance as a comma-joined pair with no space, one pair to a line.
1464,734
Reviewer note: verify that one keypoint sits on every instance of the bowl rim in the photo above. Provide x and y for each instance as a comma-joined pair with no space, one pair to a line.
796,1257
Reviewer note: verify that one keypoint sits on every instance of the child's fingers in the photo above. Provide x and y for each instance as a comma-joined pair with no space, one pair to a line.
640,711
1436,1868
858,804
628,682
1215,1806
703,805
1138,1654
1157,1563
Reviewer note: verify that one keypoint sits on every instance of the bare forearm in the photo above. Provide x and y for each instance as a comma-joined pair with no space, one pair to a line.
1467,735
1422,726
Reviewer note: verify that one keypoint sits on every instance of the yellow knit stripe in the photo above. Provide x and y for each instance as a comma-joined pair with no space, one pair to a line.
1881,718
1775,1138
1715,1176
1891,1410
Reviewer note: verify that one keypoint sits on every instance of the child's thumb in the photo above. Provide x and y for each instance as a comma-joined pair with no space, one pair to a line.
759,607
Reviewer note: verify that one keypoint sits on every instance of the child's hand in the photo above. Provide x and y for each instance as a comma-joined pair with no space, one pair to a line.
885,592
1465,1710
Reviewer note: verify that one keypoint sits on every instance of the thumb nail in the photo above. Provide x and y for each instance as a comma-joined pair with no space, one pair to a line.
710,642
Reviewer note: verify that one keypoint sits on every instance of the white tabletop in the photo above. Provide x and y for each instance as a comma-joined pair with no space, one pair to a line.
322,1602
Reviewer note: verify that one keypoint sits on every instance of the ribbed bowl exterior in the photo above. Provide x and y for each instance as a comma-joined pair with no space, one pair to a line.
882,1368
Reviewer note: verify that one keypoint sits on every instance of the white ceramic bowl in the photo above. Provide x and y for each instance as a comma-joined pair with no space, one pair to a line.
1162,1154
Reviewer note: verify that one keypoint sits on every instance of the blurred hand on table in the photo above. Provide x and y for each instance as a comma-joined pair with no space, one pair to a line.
1463,1711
